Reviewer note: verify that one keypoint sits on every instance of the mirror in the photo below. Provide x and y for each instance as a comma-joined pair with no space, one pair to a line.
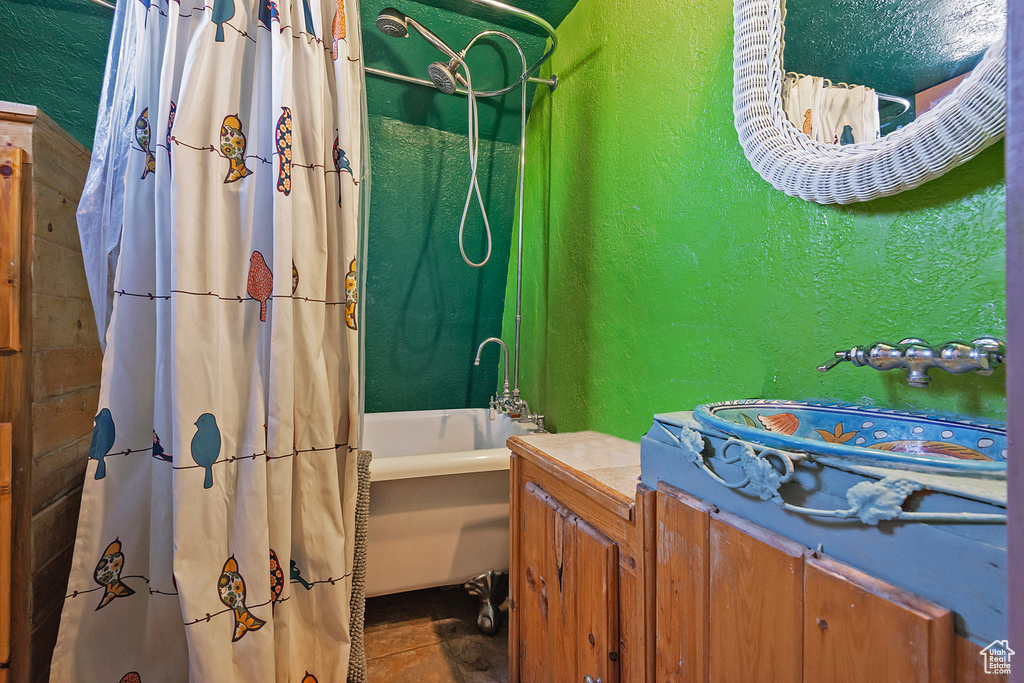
899,48
968,119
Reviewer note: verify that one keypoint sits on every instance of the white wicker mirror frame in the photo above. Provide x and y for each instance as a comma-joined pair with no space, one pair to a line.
968,120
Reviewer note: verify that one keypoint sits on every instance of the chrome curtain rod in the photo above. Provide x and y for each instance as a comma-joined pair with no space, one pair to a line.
493,4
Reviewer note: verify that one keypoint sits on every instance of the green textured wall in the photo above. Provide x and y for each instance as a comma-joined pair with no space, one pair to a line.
426,310
52,56
663,272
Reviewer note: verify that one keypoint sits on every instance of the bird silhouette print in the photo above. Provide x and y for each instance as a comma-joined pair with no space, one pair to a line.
340,164
223,10
338,27
276,578
807,122
206,445
295,278
847,137
158,450
231,587
131,677
308,16
296,575
142,137
108,575
170,125
351,296
309,678
268,12
261,282
102,440
284,151
232,144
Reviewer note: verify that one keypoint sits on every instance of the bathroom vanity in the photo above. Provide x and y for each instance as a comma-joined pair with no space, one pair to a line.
576,585
614,580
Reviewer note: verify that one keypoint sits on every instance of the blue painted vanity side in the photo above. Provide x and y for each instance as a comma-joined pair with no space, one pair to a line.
962,567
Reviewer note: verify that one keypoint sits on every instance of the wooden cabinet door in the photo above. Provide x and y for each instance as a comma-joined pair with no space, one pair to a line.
681,587
756,604
568,595
857,628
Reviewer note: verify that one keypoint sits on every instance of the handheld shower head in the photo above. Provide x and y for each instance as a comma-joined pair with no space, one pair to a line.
444,76
392,23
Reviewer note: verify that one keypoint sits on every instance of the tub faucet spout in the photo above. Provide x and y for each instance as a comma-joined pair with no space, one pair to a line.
502,399
508,400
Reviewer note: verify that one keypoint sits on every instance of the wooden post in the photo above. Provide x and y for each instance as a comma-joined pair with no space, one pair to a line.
10,247
5,549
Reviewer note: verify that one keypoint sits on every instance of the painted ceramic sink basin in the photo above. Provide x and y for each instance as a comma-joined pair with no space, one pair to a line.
876,436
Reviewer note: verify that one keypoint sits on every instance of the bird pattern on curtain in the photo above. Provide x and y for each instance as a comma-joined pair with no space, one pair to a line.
224,447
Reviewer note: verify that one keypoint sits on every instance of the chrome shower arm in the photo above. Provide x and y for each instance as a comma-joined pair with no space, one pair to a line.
430,37
532,18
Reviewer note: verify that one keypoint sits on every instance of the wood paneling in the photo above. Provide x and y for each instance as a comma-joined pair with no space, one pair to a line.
547,549
49,387
63,323
631,626
516,568
53,529
55,219
647,518
59,371
11,173
756,604
857,628
63,419
5,543
569,601
63,275
968,664
56,473
681,586
594,591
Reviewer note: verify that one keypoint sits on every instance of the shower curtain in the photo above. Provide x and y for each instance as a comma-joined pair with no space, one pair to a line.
216,536
835,114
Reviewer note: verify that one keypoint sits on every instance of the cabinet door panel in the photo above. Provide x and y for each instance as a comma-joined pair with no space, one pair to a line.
568,596
546,643
857,628
597,605
681,585
756,604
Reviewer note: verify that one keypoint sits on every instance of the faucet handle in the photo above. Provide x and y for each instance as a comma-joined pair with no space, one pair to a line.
841,357
988,352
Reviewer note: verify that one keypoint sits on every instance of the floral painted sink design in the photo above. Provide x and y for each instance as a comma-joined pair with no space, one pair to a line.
887,438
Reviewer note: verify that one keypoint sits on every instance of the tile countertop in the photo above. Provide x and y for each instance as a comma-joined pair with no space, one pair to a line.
610,460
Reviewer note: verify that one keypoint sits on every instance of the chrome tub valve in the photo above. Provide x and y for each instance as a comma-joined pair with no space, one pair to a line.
508,400
917,357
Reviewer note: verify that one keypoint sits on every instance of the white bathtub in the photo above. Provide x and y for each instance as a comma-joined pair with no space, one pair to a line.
438,497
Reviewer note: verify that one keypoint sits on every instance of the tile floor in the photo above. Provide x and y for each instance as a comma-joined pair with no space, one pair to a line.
430,636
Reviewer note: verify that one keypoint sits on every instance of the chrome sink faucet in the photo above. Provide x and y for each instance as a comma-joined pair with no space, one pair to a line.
917,357
508,400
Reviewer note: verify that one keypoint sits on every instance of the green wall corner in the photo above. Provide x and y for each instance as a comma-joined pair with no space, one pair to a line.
660,271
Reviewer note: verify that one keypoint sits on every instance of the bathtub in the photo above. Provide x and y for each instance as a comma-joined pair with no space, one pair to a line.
439,497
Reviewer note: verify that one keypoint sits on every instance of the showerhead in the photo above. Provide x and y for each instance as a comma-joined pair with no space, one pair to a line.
392,23
444,76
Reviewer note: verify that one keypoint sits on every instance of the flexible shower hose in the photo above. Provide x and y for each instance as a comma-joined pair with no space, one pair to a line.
474,148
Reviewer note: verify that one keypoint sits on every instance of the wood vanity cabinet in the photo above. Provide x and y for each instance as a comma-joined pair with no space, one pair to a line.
576,608
617,582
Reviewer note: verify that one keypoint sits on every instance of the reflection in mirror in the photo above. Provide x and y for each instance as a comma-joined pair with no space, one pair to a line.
912,51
